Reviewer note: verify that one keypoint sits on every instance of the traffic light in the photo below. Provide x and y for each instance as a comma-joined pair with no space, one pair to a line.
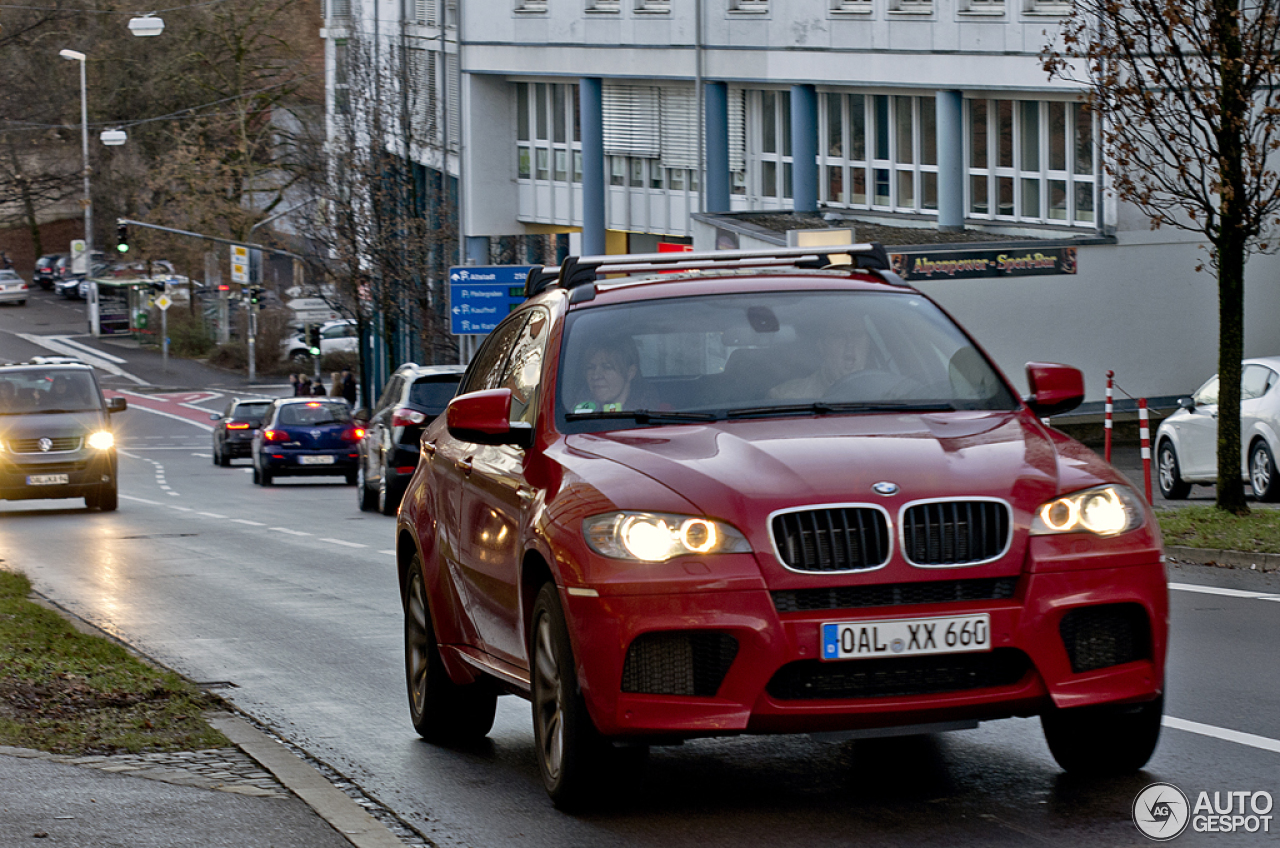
257,297
313,338
122,237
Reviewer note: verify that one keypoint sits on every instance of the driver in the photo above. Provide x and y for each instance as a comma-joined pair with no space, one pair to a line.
842,350
611,372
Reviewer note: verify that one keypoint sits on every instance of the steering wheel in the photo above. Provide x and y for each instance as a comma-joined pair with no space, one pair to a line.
872,385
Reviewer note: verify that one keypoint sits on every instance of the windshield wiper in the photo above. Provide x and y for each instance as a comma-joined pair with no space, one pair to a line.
642,416
821,408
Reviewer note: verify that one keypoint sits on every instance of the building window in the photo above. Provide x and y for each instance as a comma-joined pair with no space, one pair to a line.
860,7
1031,160
769,147
341,77
756,6
654,6
878,152
531,6
912,7
339,9
548,132
982,7
420,12
609,6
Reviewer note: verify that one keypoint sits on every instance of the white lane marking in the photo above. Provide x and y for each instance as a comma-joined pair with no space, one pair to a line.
290,532
91,350
247,521
1230,593
140,500
181,508
344,544
173,495
203,455
388,553
211,514
1263,743
50,343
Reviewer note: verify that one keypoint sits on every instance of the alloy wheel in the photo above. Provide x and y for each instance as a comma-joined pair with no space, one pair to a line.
549,699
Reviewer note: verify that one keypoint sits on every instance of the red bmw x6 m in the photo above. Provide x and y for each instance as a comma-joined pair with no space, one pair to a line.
789,499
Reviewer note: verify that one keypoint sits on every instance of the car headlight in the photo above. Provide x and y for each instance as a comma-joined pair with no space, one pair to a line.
1104,511
101,440
657,537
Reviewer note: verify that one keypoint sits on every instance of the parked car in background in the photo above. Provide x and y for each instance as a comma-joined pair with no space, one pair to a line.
413,398
301,437
45,267
783,500
67,283
1187,441
235,427
13,289
56,438
341,336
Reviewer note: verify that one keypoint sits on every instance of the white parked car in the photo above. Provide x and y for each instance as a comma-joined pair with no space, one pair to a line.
341,336
13,289
1187,441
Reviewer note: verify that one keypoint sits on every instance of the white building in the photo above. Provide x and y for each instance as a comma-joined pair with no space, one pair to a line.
619,120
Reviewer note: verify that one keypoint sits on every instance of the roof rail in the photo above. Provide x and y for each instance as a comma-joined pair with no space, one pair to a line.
580,270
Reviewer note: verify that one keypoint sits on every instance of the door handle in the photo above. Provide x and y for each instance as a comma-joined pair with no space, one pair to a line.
429,448
464,465
525,493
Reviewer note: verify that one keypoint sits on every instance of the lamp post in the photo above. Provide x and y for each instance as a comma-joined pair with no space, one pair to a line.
84,140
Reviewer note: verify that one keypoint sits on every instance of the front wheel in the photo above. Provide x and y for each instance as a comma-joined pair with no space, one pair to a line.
441,710
1172,486
388,495
1103,740
365,499
1262,473
578,765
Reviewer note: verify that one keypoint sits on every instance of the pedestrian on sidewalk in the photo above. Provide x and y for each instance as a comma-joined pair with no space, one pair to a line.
304,386
293,384
317,388
349,387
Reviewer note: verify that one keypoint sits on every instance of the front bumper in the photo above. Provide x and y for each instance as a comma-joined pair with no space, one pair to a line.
85,472
746,667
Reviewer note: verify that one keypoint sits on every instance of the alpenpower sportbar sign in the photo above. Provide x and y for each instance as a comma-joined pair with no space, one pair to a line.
970,264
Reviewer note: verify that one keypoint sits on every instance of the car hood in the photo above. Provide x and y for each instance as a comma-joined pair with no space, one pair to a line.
742,471
35,425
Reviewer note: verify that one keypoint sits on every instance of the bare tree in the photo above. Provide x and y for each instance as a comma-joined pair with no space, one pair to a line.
1190,117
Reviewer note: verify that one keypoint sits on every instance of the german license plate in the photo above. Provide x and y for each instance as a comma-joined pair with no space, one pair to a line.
906,637
316,460
47,479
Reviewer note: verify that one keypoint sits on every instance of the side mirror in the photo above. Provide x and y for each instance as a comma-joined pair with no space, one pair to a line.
1055,389
1189,404
215,416
361,415
117,404
485,419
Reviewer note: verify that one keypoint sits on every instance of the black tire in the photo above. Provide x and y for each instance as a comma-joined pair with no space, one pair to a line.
266,477
224,458
1103,740
441,710
257,476
365,499
1169,473
580,768
1262,473
389,495
352,478
108,497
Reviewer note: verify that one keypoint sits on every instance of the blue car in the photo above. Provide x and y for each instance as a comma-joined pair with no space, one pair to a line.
306,437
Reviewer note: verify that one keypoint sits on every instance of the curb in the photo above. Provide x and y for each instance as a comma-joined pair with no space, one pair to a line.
1222,558
330,803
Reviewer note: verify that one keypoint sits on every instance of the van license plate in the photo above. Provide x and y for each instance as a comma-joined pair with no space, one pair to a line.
906,637
47,479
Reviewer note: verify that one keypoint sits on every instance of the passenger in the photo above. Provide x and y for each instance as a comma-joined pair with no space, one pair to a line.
842,350
612,374
8,395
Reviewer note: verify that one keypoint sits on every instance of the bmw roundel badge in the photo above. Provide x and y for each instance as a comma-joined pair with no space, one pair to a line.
885,488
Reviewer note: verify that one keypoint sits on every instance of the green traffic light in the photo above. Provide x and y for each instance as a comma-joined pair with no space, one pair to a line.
123,248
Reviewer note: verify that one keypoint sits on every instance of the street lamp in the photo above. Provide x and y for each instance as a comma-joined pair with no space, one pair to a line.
146,25
77,56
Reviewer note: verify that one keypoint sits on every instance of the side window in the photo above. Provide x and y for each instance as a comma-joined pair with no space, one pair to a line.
389,394
523,373
486,369
1255,381
1207,395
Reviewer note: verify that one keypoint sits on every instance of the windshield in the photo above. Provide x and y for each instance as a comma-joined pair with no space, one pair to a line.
767,355
48,391
313,414
251,411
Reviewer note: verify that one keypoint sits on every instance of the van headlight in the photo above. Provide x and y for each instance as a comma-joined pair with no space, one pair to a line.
657,537
102,440
1103,511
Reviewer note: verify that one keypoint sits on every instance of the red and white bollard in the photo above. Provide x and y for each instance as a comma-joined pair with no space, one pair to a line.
1106,423
1144,431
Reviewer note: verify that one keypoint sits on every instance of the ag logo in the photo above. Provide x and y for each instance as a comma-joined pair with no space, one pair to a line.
1161,811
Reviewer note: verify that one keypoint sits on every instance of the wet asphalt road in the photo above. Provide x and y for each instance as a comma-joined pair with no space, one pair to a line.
288,595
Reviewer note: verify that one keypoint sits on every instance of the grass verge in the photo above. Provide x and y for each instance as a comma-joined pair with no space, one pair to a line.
1210,527
66,692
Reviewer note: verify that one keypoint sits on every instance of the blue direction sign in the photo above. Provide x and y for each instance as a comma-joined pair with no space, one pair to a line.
480,296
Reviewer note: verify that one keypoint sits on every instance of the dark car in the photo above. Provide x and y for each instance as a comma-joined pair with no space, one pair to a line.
412,399
66,282
306,437
236,425
56,437
768,500
46,266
